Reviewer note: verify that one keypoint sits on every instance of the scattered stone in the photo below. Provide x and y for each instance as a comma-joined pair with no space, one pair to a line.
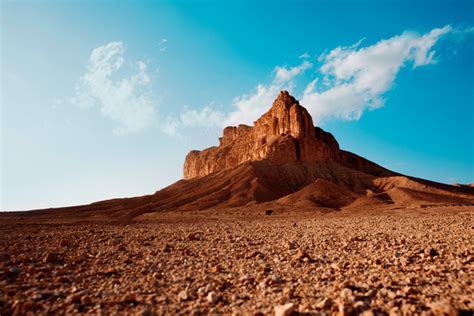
346,295
345,309
129,298
74,298
183,295
51,257
288,292
431,252
324,304
443,308
212,297
290,245
284,310
86,300
268,212
64,243
276,279
166,248
13,271
408,290
301,255
194,236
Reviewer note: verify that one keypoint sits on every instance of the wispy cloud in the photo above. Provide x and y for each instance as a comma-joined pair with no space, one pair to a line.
304,55
285,74
248,107
357,77
207,116
162,44
348,81
126,100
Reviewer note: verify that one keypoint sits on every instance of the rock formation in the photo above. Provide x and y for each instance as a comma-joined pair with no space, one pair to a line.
282,160
284,134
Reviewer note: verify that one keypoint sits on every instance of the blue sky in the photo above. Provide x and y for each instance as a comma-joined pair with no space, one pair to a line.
104,99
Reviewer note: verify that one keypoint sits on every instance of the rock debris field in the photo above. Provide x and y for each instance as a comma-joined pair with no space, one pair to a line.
332,264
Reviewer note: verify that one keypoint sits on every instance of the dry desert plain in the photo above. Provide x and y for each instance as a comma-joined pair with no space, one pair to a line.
242,262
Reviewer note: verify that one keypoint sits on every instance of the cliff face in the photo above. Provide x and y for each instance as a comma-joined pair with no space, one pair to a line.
285,133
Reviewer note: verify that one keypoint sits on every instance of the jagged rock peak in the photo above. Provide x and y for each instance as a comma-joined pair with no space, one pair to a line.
285,133
284,99
286,116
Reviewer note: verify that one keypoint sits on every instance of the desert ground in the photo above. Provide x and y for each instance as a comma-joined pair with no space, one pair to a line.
243,262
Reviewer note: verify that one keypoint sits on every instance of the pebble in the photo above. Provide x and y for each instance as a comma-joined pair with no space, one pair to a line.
183,295
443,308
284,310
212,297
129,298
51,257
301,255
325,303
345,309
86,300
64,243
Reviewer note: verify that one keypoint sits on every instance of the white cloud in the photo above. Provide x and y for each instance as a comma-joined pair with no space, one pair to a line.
285,74
356,78
170,126
349,81
127,101
205,117
304,55
248,107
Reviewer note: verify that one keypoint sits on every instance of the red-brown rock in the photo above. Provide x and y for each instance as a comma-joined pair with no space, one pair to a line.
283,134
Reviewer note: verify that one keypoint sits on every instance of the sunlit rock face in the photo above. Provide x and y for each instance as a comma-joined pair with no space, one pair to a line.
285,133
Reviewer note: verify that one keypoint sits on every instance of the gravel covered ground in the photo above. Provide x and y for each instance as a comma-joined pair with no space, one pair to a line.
317,265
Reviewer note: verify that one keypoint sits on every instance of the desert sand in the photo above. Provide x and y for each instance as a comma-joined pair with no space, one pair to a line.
399,262
276,219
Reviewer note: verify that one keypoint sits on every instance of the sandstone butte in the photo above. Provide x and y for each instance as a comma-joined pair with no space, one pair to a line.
281,162
284,134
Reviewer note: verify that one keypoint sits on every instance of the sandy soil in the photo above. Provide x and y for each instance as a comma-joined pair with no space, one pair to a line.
396,263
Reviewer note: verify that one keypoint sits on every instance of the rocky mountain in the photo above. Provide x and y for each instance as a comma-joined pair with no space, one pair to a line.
282,161
282,135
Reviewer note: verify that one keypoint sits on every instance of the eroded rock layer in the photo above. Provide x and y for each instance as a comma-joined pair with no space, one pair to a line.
285,133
